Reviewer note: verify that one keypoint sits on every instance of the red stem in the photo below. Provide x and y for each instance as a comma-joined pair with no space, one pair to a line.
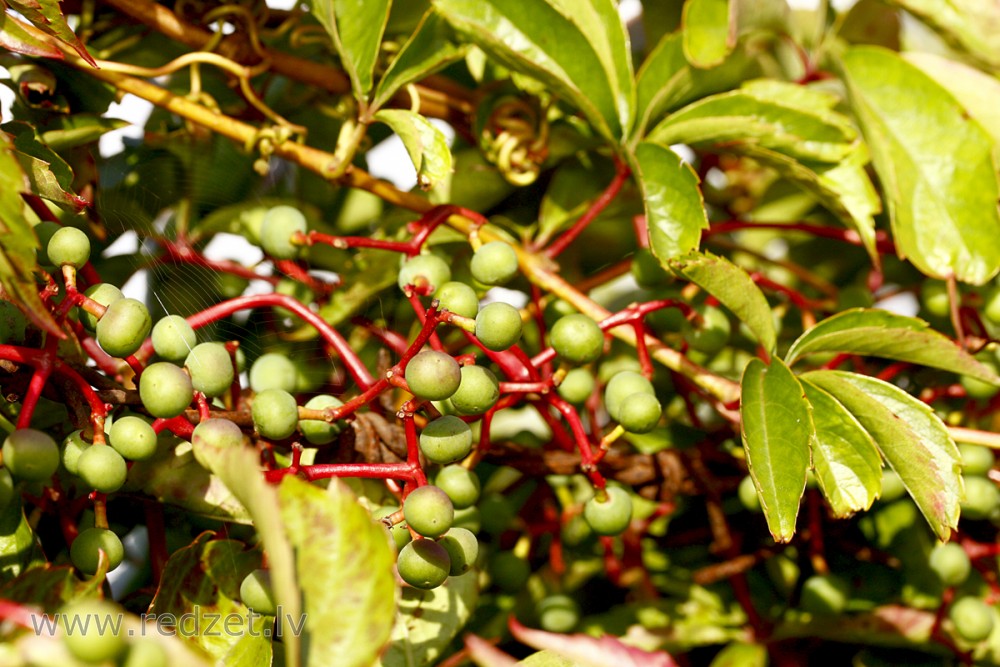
882,242
621,174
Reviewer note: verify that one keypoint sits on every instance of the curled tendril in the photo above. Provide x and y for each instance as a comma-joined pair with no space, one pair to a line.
253,23
265,140
515,138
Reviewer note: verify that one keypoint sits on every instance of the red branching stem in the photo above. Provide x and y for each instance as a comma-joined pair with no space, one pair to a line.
403,471
181,253
883,243
514,364
641,230
157,531
178,425
892,370
38,380
204,409
540,387
543,357
413,454
295,271
612,564
559,435
587,462
22,616
622,173
418,308
389,338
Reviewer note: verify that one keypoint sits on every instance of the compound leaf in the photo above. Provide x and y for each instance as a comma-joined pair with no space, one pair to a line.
675,210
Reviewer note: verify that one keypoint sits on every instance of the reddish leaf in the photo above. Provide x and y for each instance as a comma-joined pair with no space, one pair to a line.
590,651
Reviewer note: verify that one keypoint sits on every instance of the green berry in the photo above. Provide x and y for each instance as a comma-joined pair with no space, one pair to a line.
495,263
577,386
509,572
639,412
463,549
623,386
468,518
275,414
424,272
575,531
123,327
477,392
133,438
892,486
73,446
102,468
320,432
825,595
30,454
747,493
557,613
934,298
498,326
273,371
647,270
104,294
577,339
173,338
211,368
978,389
712,334
982,498
165,389
84,550
613,515
214,433
276,231
69,246
461,484
433,375
976,459
399,533
147,653
991,305
973,619
91,631
428,510
257,594
446,440
950,563
423,564
458,298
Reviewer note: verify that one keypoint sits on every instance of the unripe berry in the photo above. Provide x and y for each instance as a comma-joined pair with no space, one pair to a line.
257,594
982,498
477,392
712,334
399,533
30,454
123,327
558,613
104,294
320,432
950,563
495,263
211,368
273,371
276,231
461,484
458,298
133,438
424,272
90,631
446,439
423,564
68,246
622,386
973,619
275,414
463,549
577,339
84,550
613,515
509,572
639,412
102,468
428,510
433,375
498,326
173,338
577,386
215,433
825,595
165,390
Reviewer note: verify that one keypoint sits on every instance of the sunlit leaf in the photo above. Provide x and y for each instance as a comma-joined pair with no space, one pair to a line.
586,651
977,91
16,38
709,31
426,145
972,26
356,28
675,210
47,16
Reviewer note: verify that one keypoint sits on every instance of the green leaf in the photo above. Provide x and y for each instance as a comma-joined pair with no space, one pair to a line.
45,586
911,438
739,654
666,80
587,651
847,463
427,621
972,26
344,564
880,333
201,582
574,185
62,133
578,49
14,37
675,210
47,16
709,32
777,429
429,49
19,547
935,163
733,288
975,90
426,145
48,174
356,28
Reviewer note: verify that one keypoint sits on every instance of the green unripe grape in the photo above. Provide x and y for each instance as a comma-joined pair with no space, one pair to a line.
747,493
173,338
647,270
978,389
825,595
273,371
976,459
713,332
133,438
215,433
623,386
295,289
557,309
854,296
461,484
458,298
165,389
123,327
30,454
498,326
615,365
639,412
433,375
320,432
892,486
310,373
147,653
6,488
509,572
257,594
468,518
557,613
577,339
428,510
211,368
934,298
577,386
991,305
423,564
90,631
44,231
463,549
424,271
73,446
399,533
477,392
84,550
276,231
102,468
950,563
230,285
69,246
104,294
575,531
275,414
982,498
446,440
12,323
495,263
973,619
612,516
